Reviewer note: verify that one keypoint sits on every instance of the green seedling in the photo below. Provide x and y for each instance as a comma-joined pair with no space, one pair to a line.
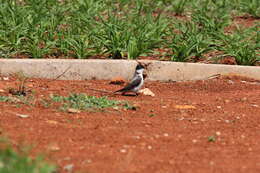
83,102
211,139
151,115
129,106
21,90
4,98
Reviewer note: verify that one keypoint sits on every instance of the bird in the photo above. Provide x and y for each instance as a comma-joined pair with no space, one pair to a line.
136,82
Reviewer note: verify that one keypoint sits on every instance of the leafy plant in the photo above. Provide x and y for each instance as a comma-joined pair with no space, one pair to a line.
211,16
21,90
251,7
179,6
84,102
242,45
132,33
211,139
79,46
121,29
189,42
11,161
4,98
128,106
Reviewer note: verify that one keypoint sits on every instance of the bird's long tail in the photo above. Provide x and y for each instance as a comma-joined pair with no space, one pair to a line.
121,90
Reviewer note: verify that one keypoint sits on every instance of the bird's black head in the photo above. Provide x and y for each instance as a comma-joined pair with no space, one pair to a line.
139,66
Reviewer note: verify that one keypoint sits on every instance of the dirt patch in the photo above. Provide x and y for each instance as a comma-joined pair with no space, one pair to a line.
197,126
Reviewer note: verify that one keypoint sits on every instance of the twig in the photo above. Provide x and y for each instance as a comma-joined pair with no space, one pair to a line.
103,91
108,93
65,71
213,76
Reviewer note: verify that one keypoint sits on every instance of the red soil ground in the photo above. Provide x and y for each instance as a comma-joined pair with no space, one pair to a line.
198,126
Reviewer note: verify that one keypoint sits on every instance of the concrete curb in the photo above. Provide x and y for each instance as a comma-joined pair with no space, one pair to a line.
107,69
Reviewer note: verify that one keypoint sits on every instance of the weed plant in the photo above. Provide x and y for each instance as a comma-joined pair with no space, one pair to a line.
12,161
83,102
189,43
243,45
121,28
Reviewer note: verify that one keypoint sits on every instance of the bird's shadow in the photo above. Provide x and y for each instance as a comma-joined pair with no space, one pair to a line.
129,95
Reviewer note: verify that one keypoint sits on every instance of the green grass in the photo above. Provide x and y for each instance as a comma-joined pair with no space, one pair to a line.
190,43
243,45
122,28
77,101
4,98
84,102
12,161
212,139
251,7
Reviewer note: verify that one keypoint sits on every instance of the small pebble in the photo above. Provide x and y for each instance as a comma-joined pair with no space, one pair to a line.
194,141
230,82
68,167
227,121
5,78
71,110
227,101
211,163
157,136
244,99
22,115
88,161
123,150
149,147
137,137
219,107
166,134
218,133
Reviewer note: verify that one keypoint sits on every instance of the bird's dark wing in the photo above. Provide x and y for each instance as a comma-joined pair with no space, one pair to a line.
131,85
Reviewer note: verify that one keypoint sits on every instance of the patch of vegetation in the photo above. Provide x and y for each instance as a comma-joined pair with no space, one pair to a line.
84,102
21,89
190,43
12,161
128,106
151,115
211,139
122,29
251,7
28,100
4,98
243,45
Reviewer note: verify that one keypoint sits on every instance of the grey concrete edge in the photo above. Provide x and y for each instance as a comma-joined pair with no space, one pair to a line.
108,69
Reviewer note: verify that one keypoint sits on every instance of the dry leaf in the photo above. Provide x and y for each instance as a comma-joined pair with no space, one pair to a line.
185,107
